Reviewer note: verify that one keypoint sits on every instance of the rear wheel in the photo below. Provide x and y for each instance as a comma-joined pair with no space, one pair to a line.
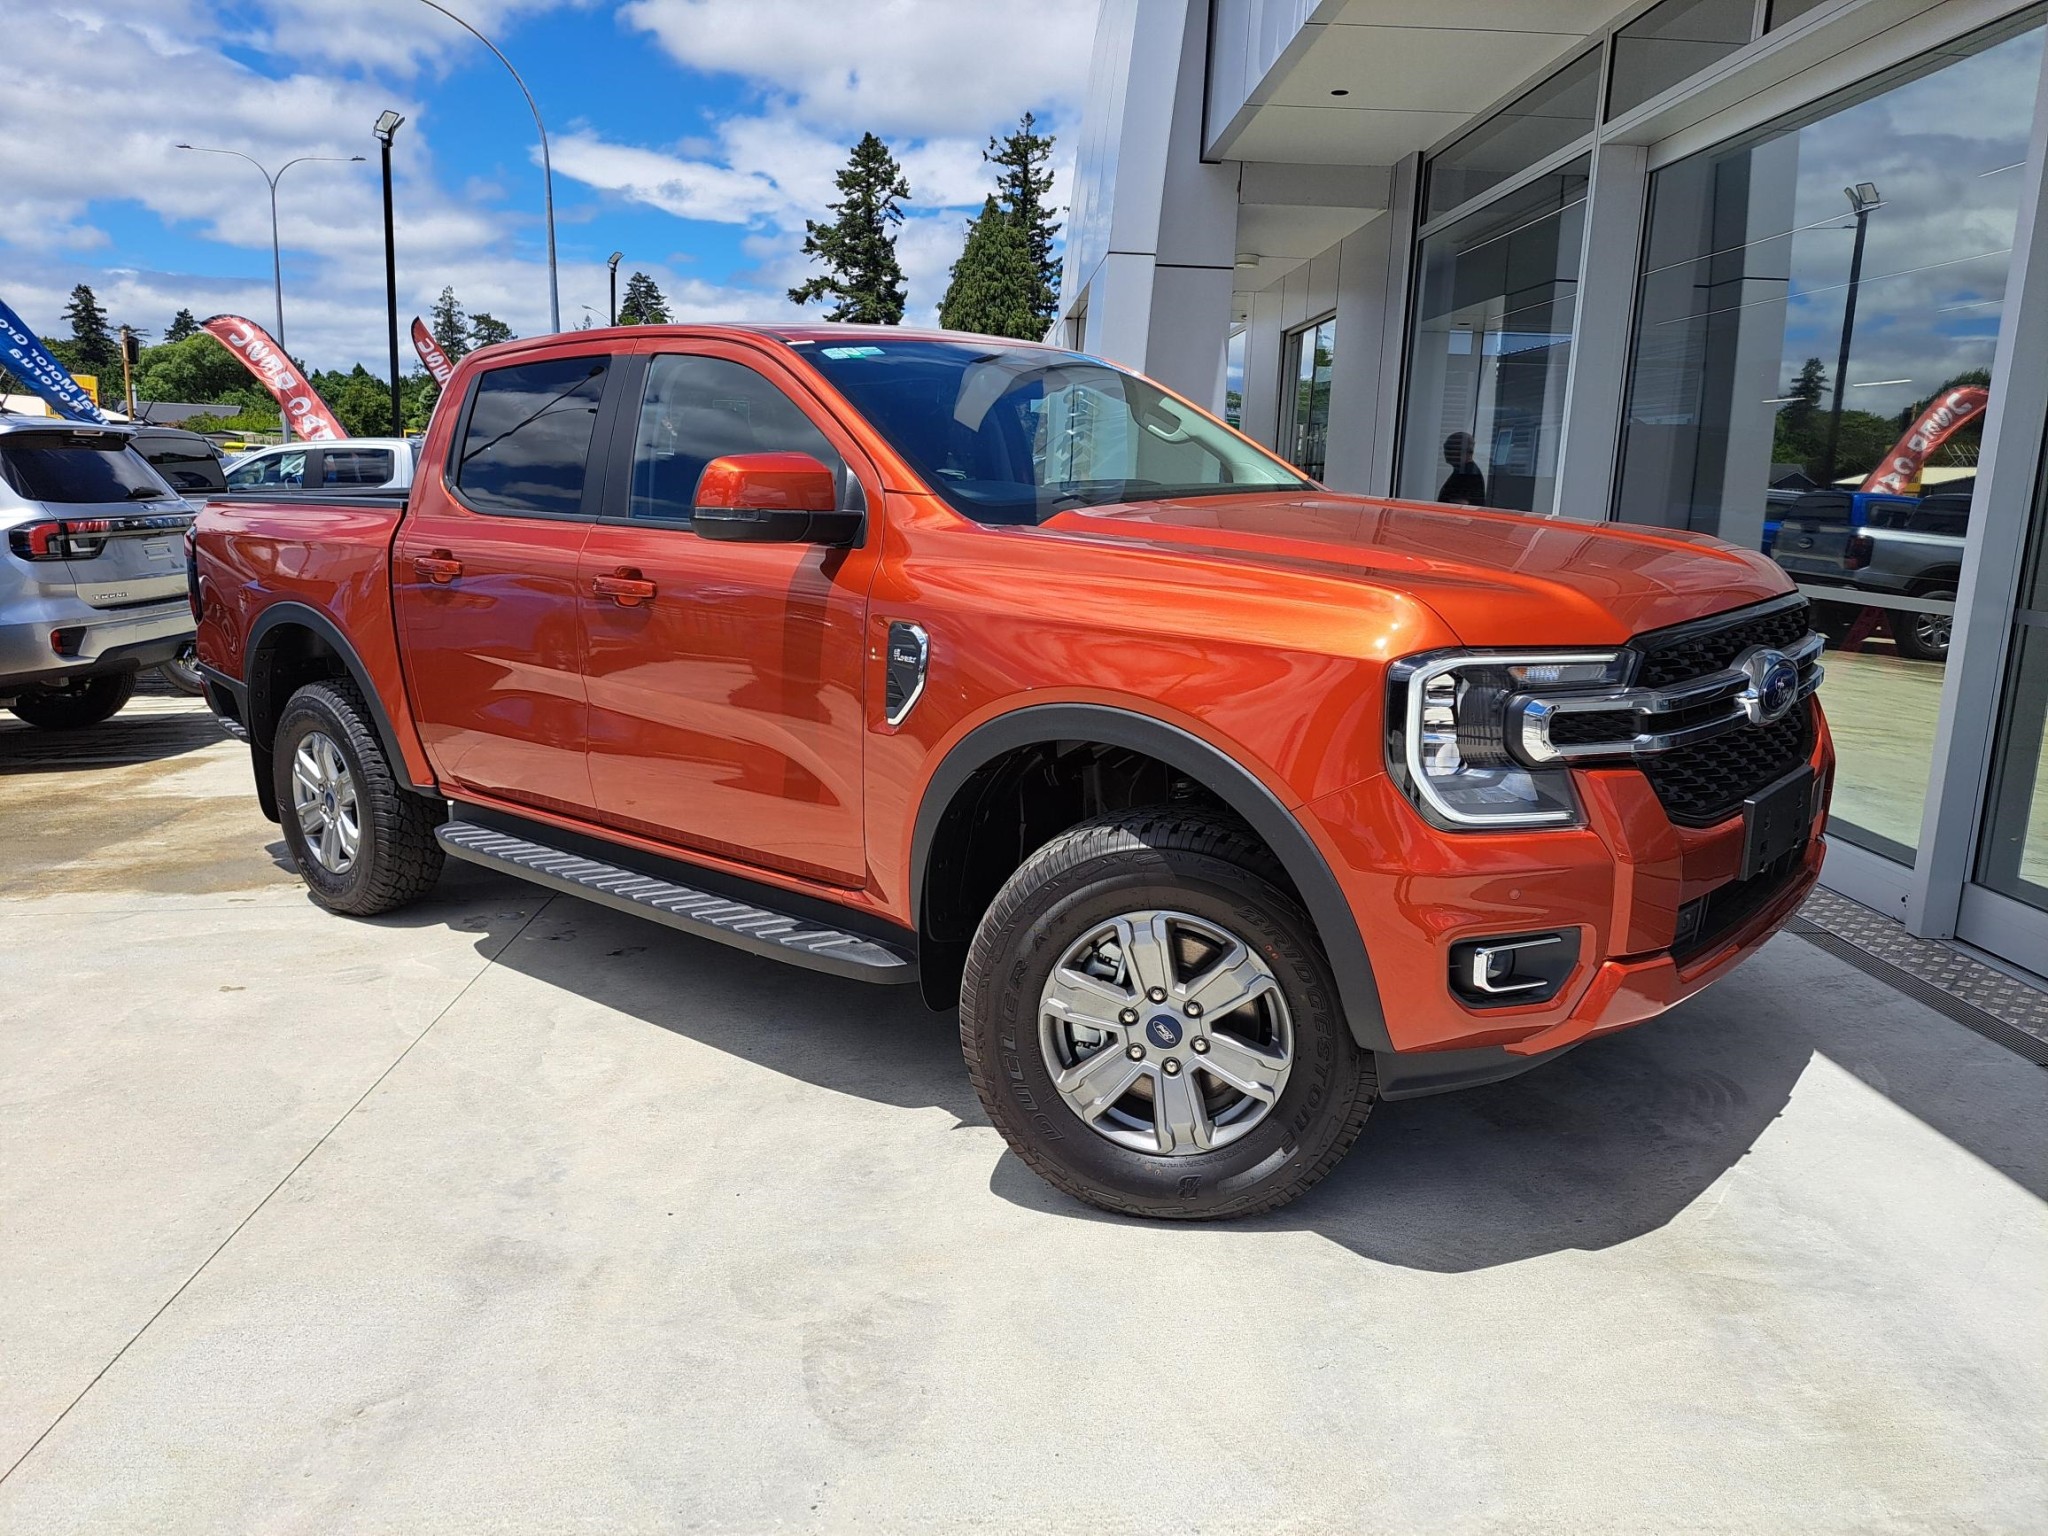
1150,1023
1924,636
363,844
74,704
182,672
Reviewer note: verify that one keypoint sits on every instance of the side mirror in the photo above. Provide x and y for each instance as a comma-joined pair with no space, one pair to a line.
772,498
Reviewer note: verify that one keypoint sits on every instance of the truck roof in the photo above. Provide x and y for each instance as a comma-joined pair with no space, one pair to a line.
783,331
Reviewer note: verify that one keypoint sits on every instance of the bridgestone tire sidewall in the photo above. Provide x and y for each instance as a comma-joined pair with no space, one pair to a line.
1282,1149
302,717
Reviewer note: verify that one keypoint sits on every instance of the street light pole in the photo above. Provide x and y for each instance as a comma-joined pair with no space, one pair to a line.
386,129
547,165
1863,201
276,252
614,265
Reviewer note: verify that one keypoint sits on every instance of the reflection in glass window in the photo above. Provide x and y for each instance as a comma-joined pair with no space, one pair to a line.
696,409
1816,326
1497,295
529,436
1311,357
2014,858
1785,12
1673,42
1539,123
1233,379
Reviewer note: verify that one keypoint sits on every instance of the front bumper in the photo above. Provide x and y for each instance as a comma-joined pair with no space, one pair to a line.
96,640
1621,880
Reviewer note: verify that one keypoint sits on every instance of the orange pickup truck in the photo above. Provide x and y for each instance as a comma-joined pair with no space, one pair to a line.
1222,805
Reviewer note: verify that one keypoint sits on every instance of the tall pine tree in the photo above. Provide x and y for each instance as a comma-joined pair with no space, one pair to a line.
449,325
486,329
994,283
182,327
858,248
644,303
92,344
1023,182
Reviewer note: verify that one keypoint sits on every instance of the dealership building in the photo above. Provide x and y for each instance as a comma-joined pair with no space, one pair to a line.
1701,264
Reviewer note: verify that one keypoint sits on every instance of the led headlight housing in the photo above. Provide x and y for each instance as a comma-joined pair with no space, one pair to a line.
1448,740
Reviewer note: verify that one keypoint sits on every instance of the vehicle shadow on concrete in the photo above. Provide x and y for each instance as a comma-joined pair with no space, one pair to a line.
121,742
1601,1146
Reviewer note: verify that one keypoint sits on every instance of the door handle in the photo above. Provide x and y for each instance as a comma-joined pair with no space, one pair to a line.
625,586
440,566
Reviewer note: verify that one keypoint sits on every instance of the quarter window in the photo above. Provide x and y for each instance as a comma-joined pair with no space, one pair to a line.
528,440
696,409
355,466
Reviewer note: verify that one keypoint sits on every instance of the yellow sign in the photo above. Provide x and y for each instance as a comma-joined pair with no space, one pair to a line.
90,383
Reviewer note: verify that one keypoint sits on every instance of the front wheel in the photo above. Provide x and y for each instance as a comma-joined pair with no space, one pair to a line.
1152,1027
75,703
363,844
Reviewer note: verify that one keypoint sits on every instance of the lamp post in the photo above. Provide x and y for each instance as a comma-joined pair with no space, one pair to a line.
613,264
386,129
276,258
1863,202
547,166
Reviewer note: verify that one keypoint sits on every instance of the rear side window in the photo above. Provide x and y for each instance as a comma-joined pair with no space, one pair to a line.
73,471
187,466
344,467
528,440
696,409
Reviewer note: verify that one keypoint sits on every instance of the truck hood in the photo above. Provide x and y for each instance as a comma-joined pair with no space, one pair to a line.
1494,578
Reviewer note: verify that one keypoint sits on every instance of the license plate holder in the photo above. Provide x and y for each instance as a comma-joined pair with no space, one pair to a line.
1776,821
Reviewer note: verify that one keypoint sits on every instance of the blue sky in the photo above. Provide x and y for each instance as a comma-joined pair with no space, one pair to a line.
694,135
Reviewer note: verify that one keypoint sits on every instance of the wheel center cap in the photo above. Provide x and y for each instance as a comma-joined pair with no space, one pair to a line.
1163,1031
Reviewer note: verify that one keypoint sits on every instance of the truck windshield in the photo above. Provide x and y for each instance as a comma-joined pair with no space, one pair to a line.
1020,434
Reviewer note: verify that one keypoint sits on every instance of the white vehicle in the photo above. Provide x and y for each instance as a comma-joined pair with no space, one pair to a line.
353,464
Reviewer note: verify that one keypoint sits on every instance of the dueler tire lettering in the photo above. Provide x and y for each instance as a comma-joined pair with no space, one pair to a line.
1211,867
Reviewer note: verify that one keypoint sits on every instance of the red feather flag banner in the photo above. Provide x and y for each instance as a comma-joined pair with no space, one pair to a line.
1899,473
430,352
296,398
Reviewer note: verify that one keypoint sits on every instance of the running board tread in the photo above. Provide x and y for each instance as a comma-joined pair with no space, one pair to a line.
759,929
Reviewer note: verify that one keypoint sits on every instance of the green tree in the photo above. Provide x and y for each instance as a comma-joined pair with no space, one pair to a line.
197,369
644,303
92,343
858,249
486,329
993,284
1023,182
449,325
182,326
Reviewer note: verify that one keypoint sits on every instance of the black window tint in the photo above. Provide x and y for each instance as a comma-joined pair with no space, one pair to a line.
39,468
696,409
188,468
355,466
528,441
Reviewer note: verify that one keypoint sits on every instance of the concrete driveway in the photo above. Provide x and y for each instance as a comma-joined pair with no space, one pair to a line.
511,1214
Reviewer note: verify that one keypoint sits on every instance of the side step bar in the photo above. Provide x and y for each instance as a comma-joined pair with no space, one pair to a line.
774,934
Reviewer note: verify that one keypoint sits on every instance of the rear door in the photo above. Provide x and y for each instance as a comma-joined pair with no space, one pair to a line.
725,705
483,575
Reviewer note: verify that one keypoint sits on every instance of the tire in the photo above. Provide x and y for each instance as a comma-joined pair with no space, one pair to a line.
1924,636
1202,876
74,705
183,673
329,769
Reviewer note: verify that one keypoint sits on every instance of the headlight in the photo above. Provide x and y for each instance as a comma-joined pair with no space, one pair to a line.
1447,720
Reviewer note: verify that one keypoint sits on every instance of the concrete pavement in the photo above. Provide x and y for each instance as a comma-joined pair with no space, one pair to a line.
514,1214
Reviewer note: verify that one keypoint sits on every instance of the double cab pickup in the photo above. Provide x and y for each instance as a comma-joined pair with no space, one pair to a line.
1221,805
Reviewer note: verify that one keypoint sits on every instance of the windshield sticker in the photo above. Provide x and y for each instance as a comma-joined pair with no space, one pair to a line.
839,352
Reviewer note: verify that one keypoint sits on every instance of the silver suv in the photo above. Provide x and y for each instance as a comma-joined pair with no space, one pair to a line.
92,584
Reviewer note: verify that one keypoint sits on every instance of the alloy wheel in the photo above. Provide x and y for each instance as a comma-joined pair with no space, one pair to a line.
325,802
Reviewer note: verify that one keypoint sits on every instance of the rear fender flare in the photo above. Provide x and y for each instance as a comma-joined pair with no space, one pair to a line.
1239,788
263,709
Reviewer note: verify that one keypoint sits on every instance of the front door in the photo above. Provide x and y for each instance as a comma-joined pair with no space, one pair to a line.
484,577
725,705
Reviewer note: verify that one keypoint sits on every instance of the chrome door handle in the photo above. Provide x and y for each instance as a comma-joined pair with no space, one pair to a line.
626,587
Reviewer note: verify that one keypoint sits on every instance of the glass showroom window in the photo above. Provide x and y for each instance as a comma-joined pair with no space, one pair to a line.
2014,858
1233,378
1496,298
1542,121
1817,318
1305,434
1673,42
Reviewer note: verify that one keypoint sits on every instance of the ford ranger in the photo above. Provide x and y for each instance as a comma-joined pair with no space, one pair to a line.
1222,805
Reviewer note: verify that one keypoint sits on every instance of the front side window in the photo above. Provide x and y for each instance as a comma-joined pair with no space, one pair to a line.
1496,302
696,409
528,439
1020,434
269,470
76,471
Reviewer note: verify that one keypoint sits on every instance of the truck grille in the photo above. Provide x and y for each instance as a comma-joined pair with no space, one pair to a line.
1687,651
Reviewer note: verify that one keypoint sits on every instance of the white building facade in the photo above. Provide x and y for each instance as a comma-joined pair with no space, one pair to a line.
1703,264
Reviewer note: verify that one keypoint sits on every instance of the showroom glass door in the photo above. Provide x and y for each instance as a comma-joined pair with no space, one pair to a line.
1815,335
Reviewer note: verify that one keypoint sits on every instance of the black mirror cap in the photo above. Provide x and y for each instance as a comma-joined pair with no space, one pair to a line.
778,525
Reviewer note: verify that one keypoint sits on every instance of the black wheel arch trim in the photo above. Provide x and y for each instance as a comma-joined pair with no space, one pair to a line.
261,707
1222,775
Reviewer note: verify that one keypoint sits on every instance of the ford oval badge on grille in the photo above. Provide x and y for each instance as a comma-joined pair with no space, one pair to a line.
1773,686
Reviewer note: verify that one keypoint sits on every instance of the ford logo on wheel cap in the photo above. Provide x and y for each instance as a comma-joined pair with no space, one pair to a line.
1773,686
1163,1031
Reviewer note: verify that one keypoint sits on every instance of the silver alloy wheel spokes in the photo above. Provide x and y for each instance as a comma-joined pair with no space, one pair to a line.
324,801
1166,1033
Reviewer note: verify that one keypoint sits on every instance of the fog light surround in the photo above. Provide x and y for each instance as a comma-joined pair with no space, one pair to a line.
1513,970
